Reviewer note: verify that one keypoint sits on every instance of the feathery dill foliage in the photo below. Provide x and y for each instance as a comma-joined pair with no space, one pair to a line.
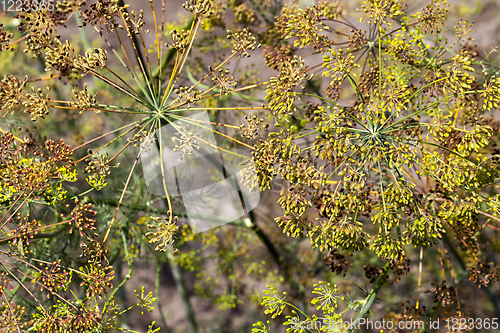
393,147
154,85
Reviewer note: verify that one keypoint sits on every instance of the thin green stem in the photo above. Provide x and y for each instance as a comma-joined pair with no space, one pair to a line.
129,273
370,298
157,292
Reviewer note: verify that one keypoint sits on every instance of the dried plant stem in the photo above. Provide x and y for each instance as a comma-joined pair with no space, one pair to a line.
193,37
122,196
2,262
11,311
106,134
194,122
15,137
107,144
129,273
419,276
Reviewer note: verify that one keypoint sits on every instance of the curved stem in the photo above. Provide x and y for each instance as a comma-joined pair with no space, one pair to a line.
157,292
370,298
127,277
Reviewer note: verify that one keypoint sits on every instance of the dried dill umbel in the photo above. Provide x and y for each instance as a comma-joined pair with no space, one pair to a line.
10,91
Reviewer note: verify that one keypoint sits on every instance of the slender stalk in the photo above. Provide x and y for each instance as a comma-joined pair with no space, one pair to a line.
178,68
134,74
195,31
179,283
181,288
171,52
419,275
163,177
11,312
122,80
157,292
122,196
129,274
221,109
138,53
106,134
370,298
83,36
212,130
15,137
138,98
107,144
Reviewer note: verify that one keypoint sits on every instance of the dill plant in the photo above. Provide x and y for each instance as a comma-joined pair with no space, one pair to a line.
390,152
383,131
152,85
